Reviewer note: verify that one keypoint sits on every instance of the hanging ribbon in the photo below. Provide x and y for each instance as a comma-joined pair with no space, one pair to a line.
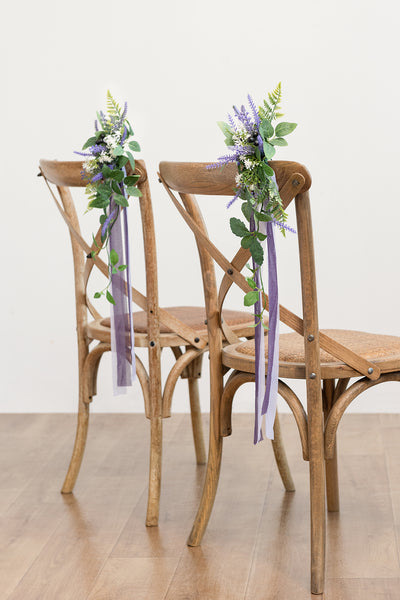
266,387
122,331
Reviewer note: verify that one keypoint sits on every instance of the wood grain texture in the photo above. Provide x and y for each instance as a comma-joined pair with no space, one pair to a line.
94,546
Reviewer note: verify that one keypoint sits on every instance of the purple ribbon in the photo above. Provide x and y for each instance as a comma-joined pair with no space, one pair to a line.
266,387
122,333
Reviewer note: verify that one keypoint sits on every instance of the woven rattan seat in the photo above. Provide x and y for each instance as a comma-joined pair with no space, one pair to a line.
382,350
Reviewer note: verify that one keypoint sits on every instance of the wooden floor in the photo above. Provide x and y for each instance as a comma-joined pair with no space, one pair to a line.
93,545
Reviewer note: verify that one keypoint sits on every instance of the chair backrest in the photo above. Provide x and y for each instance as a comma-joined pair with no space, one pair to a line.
294,181
68,174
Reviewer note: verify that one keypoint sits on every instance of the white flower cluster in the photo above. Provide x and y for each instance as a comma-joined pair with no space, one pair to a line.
90,164
112,139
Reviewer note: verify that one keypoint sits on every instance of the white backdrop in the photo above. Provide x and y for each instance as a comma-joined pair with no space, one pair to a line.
181,65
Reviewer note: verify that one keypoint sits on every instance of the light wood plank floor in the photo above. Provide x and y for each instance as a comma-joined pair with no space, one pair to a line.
93,545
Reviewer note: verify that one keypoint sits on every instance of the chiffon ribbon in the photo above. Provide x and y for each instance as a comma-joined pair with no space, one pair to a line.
122,333
266,386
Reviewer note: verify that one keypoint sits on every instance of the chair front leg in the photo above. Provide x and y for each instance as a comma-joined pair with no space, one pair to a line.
331,466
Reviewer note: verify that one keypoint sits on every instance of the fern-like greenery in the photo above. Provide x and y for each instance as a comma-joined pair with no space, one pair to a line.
113,108
271,110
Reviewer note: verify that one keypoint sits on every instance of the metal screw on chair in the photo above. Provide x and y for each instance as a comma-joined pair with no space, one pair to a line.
310,338
152,344
312,376
197,340
230,271
295,183
370,371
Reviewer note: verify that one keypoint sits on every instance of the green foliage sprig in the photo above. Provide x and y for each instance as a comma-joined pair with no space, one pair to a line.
108,155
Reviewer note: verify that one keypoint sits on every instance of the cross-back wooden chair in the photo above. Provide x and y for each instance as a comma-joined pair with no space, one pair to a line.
326,359
182,329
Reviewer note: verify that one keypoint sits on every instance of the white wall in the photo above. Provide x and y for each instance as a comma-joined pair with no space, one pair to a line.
181,65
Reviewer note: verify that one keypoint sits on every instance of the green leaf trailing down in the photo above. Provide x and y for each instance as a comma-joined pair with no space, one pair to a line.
247,210
122,267
117,175
97,295
134,191
120,200
122,161
109,297
114,258
238,227
99,202
278,141
251,298
246,241
251,282
131,179
284,129
268,170
134,146
257,252
131,160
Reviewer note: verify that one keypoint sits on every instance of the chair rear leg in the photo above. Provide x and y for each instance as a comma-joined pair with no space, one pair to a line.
331,466
280,457
209,489
79,448
153,502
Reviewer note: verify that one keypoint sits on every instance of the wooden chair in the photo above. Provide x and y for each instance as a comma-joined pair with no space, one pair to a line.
327,360
182,329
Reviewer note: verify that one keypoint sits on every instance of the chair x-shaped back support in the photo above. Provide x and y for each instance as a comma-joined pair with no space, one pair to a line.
342,360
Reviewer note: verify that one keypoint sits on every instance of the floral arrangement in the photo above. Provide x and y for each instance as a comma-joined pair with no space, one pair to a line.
252,140
108,154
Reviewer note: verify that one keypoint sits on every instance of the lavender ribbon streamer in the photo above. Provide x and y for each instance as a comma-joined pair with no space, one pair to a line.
267,388
122,333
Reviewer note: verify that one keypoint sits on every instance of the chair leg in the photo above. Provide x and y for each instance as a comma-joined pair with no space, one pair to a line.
280,457
79,448
331,466
153,503
318,525
197,423
209,490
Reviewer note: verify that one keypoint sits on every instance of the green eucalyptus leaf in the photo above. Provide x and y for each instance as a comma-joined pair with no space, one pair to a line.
99,202
90,142
114,258
121,200
257,252
268,170
284,129
266,129
122,267
134,146
122,161
246,241
251,298
97,295
261,236
238,227
115,187
106,171
117,175
102,219
134,191
131,179
278,141
131,160
117,151
269,150
114,271
110,297
247,210
225,128
261,216
251,282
